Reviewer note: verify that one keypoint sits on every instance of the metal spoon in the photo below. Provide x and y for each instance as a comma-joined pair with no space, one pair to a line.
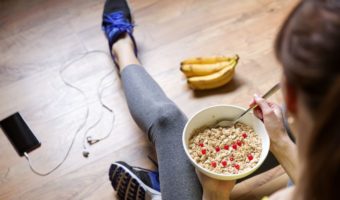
229,123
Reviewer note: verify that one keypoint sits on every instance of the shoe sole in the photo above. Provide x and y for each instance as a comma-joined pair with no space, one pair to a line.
128,186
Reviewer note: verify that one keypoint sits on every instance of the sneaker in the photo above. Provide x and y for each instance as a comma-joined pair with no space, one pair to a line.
112,6
134,183
117,21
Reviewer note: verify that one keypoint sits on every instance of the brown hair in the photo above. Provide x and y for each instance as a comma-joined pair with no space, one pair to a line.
308,46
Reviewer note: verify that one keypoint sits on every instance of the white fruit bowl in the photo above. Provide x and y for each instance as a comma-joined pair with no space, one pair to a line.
210,116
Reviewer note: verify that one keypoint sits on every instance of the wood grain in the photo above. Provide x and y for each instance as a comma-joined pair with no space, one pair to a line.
37,37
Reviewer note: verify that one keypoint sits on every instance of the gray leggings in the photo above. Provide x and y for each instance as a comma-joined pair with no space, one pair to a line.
158,116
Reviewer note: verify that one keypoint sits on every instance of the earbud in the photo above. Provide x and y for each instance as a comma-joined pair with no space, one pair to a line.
86,153
91,141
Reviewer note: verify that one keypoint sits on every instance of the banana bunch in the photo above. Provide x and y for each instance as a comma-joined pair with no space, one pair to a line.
209,72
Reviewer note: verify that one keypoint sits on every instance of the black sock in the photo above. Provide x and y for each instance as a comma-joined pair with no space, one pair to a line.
117,5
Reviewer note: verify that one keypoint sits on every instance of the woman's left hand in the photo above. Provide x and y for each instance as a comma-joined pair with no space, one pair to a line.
215,189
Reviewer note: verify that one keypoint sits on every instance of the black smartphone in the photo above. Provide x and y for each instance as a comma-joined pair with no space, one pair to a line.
19,134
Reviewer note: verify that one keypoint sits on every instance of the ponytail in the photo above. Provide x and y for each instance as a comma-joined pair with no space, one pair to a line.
320,175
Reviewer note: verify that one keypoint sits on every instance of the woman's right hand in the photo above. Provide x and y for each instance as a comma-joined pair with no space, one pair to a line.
280,144
271,115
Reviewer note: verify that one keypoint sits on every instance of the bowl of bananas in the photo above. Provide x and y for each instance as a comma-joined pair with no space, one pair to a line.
225,153
205,73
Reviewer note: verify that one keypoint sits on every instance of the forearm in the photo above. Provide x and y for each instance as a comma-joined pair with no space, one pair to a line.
215,195
285,152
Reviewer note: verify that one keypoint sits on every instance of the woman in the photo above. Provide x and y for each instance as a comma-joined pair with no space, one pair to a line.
308,47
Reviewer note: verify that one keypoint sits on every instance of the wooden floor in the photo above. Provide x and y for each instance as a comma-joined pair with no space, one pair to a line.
38,36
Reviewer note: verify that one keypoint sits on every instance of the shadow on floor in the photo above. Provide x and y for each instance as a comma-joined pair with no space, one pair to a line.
234,84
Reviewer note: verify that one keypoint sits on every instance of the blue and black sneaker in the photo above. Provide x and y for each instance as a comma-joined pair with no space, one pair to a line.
134,183
117,21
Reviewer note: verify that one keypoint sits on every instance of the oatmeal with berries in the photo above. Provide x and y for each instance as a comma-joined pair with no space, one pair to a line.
231,150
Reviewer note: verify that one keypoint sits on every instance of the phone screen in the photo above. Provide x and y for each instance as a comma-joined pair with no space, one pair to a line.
19,134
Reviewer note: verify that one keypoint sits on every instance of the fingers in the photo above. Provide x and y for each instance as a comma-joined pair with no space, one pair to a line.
257,110
258,113
277,110
252,102
264,107
200,176
263,104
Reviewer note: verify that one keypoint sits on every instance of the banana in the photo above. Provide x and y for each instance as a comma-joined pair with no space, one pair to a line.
202,69
205,69
207,60
214,80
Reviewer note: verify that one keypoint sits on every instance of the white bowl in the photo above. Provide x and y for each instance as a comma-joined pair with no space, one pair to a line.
210,116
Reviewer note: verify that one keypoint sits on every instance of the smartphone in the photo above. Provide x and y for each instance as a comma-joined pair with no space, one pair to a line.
19,134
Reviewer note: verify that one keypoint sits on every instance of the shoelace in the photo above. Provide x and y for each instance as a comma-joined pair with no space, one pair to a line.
114,23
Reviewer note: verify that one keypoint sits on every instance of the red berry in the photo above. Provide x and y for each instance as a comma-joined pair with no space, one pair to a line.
224,163
201,144
217,149
204,151
226,147
231,158
237,166
239,143
234,146
213,163
250,157
244,135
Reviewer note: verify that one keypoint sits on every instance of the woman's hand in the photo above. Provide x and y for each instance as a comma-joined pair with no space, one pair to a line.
215,189
271,115
280,144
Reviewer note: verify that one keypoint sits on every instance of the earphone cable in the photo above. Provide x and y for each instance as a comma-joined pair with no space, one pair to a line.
88,139
83,124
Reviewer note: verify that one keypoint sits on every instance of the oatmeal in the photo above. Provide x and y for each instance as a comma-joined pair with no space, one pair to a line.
231,150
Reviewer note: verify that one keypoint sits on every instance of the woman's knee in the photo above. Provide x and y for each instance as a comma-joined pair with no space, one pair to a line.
168,115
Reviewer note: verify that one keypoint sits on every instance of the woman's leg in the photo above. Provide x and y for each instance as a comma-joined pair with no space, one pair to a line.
161,119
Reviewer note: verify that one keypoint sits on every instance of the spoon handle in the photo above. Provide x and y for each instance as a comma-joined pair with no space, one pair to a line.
272,90
269,93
